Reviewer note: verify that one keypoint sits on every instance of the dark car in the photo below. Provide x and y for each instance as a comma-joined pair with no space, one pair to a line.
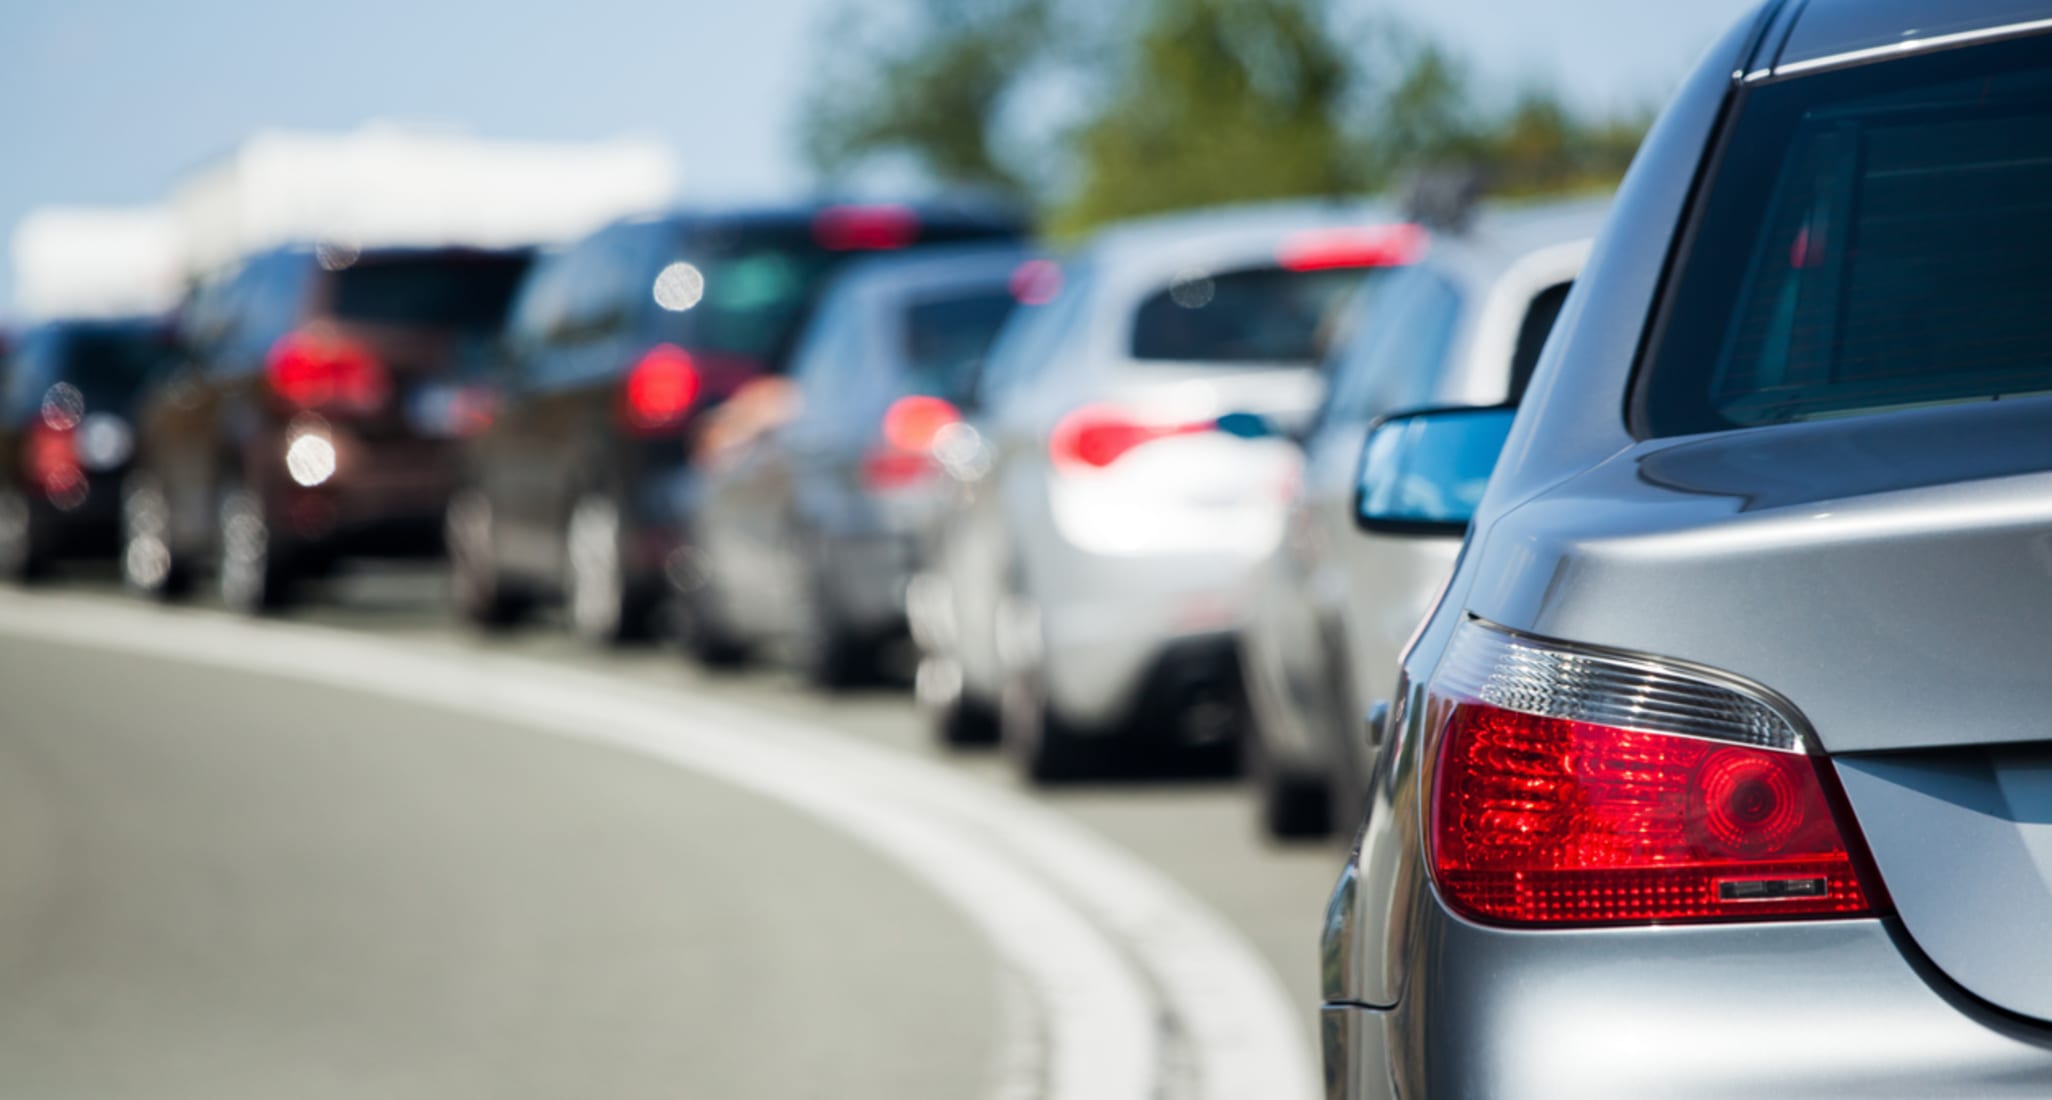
809,533
627,352
316,416
68,393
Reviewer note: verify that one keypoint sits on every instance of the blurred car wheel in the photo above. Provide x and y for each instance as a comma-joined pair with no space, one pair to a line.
481,593
602,609
149,566
256,573
1295,804
832,656
956,719
1046,748
21,559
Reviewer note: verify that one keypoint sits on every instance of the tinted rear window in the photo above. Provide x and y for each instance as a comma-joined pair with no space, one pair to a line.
947,338
1873,239
438,292
748,291
1259,315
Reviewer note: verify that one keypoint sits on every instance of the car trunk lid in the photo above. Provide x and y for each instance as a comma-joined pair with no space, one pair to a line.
1891,576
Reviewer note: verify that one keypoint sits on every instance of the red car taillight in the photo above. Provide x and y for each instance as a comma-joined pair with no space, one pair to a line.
1095,436
660,389
911,427
315,369
1571,787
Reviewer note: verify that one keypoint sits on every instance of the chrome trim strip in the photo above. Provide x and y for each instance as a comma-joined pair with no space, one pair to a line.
1914,45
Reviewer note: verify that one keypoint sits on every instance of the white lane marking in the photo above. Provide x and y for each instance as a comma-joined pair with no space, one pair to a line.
1043,890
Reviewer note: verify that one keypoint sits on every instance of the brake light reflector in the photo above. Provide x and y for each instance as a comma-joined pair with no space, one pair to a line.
660,389
1095,436
314,368
1366,246
1575,788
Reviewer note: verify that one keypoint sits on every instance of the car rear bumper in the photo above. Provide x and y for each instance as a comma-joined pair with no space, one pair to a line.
1799,1009
1115,627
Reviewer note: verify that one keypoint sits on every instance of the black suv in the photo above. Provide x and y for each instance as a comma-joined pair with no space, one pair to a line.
627,353
68,391
315,416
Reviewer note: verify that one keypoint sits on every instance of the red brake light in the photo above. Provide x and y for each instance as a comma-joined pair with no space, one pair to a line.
1548,818
1368,246
911,427
317,369
660,389
865,228
1036,282
913,423
51,457
1096,436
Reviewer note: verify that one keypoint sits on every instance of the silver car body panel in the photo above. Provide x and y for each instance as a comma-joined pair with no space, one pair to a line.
1123,565
1890,576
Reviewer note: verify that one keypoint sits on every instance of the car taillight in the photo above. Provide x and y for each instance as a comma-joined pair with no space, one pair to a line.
1573,787
316,369
1095,436
865,228
50,454
660,389
1360,246
911,428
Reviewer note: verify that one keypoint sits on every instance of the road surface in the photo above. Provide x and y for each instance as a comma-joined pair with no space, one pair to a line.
363,853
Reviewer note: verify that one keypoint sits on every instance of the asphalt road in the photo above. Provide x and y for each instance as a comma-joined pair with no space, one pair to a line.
364,853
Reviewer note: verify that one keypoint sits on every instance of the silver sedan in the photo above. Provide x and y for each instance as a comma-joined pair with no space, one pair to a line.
1721,769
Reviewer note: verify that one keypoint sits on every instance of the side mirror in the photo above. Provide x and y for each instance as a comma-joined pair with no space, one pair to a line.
1247,425
1424,473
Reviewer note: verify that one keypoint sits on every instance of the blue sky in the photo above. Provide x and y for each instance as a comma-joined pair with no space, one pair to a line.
110,102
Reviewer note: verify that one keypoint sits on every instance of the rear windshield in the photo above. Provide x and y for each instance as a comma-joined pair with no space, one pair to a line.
1265,315
748,291
113,362
1873,239
436,292
947,338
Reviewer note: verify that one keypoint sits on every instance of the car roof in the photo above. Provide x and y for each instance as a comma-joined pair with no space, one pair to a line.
1504,233
779,215
1163,245
1832,33
914,271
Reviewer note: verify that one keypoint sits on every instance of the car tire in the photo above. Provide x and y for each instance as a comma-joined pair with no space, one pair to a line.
22,555
1295,803
255,573
1045,748
831,656
150,563
479,591
966,723
598,599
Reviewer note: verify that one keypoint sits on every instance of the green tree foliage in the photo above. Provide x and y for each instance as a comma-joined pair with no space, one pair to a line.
932,90
1184,103
1225,101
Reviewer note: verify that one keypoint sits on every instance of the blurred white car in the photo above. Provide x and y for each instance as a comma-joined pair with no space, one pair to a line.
1125,478
1463,326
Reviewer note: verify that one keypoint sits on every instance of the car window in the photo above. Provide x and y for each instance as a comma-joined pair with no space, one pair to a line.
1266,315
829,366
1032,335
744,292
539,306
1881,241
467,293
1400,348
1532,334
265,301
945,338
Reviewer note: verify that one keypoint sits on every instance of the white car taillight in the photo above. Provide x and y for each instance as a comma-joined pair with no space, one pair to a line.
1579,787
